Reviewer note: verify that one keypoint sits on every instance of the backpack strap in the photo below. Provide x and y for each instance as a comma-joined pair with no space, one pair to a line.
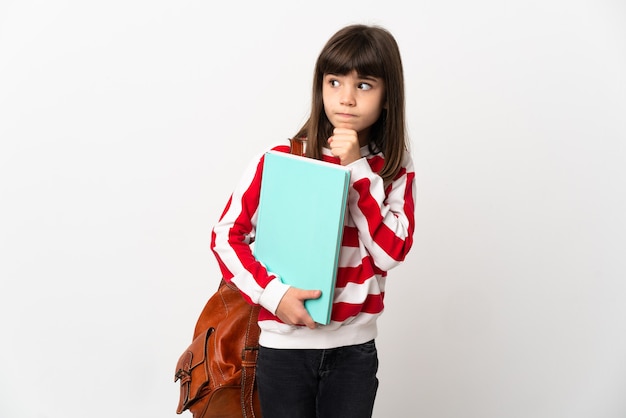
298,146
249,356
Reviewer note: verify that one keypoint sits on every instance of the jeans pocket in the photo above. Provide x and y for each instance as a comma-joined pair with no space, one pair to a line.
367,348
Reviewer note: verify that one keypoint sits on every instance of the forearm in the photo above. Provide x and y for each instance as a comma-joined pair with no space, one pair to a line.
383,215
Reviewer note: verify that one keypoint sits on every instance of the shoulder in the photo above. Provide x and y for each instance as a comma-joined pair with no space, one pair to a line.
407,160
281,146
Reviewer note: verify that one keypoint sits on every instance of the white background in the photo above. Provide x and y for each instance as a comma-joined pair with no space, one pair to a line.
124,126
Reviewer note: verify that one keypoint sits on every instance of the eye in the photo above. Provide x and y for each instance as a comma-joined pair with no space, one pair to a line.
364,86
333,82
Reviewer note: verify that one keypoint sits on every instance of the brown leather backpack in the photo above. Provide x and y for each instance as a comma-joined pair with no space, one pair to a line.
217,370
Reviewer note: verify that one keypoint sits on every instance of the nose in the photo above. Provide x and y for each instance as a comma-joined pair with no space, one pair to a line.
347,96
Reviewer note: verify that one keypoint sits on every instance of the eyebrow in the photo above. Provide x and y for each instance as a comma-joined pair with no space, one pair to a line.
359,76
369,77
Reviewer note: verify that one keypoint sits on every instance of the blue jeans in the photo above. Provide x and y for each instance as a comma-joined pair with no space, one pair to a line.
338,382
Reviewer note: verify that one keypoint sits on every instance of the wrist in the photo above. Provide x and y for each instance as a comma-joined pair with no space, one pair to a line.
273,294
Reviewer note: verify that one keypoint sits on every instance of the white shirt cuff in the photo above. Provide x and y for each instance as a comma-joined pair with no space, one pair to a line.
273,294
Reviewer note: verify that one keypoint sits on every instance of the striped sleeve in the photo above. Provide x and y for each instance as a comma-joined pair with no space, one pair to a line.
234,233
383,215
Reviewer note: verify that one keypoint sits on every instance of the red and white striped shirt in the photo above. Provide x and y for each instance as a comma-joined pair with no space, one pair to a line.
378,234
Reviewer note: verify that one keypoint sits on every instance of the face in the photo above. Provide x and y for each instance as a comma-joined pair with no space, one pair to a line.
352,101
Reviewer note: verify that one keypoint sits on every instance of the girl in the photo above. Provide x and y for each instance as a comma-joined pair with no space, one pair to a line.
357,120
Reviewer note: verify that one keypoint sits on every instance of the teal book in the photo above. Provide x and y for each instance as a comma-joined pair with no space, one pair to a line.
300,224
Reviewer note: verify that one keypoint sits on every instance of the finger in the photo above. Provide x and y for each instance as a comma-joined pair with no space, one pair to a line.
344,130
303,315
304,294
306,320
300,316
310,323
344,125
311,294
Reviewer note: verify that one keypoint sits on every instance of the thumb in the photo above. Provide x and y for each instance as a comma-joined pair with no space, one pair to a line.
310,294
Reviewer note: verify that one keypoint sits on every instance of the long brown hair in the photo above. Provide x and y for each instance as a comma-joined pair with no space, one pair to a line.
371,51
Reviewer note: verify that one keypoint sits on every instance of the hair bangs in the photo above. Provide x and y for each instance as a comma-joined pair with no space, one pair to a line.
356,53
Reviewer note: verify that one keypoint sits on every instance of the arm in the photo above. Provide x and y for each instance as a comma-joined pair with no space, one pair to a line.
230,242
383,215
231,239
